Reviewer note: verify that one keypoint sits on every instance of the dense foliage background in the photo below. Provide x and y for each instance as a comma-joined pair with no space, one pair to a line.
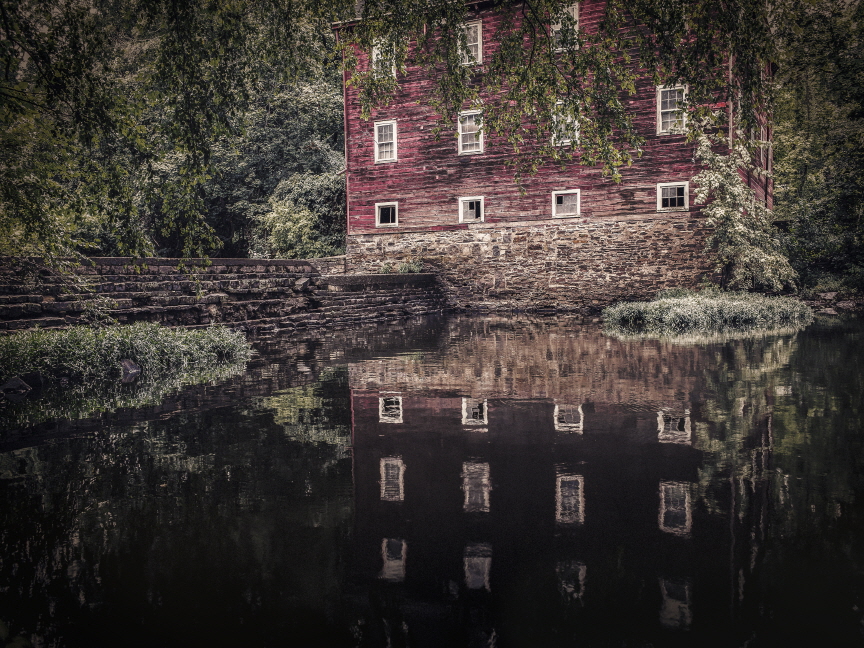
192,128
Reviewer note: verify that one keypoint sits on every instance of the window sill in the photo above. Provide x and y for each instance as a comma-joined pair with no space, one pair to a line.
385,161
471,152
673,209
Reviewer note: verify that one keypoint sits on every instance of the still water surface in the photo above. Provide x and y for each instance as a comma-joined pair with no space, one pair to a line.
457,482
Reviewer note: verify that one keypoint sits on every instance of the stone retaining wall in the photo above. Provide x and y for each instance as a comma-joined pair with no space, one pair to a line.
581,265
255,294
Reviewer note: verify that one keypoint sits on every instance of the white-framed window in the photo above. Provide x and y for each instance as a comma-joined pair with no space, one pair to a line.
474,39
385,141
673,196
475,412
569,498
673,427
389,408
379,59
392,479
387,214
470,132
571,12
477,562
675,515
476,486
472,209
671,117
565,129
568,418
565,203
393,554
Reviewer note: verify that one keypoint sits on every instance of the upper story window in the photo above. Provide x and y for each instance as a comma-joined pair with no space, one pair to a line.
470,132
386,214
565,129
673,196
474,38
385,141
572,15
471,210
565,203
382,60
670,110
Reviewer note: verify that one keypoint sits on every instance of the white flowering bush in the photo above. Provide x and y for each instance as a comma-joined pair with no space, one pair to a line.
743,241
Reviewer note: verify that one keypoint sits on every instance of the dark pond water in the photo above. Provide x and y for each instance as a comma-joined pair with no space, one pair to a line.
456,482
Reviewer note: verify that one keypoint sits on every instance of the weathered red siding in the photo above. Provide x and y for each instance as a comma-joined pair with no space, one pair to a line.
430,176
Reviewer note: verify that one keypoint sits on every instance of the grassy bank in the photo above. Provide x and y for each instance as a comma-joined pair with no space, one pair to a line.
81,372
88,354
681,311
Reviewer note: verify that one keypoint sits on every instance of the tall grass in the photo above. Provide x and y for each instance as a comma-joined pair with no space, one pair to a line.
682,311
170,360
84,353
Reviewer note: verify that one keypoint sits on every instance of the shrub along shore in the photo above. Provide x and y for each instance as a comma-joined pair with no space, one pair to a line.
84,353
80,372
679,311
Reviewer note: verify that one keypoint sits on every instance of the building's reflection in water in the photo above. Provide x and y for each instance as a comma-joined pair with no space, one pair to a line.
393,552
476,486
478,564
675,609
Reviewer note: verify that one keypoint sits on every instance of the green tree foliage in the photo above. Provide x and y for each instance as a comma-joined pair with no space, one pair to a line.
292,141
744,242
110,110
819,140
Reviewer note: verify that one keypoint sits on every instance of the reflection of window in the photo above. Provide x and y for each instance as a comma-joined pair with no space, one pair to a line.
474,411
393,553
569,498
392,479
675,609
571,579
390,409
478,562
476,486
675,515
568,418
673,428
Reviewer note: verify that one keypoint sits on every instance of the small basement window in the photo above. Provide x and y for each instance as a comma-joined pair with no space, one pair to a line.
673,196
386,214
385,141
390,409
470,133
565,203
474,40
471,210
670,110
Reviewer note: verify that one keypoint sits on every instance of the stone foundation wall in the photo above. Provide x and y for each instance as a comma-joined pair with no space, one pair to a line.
253,294
581,265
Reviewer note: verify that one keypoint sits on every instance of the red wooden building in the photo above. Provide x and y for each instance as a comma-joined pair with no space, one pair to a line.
453,201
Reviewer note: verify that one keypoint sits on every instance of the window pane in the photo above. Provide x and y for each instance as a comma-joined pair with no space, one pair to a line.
566,204
672,196
472,210
470,137
472,35
387,216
